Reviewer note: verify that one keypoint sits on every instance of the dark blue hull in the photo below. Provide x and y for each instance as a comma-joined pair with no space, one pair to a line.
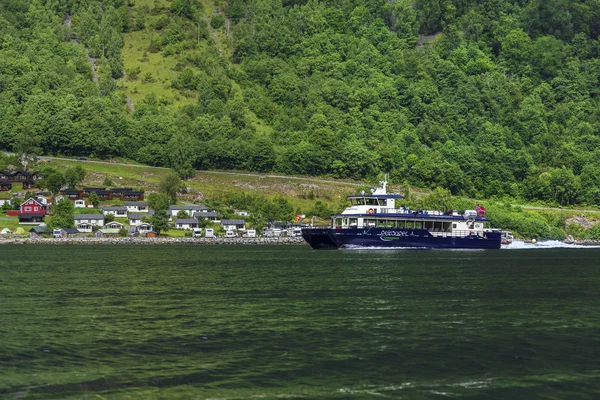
328,238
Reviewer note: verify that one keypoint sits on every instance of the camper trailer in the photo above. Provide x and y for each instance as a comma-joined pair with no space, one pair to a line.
231,234
209,233
197,232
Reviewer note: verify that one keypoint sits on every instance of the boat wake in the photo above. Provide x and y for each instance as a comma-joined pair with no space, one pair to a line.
550,244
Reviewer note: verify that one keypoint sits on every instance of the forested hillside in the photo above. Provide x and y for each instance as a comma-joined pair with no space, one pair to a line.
481,97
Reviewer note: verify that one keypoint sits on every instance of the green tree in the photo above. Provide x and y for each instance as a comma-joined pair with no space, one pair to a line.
439,199
160,221
182,214
203,222
170,185
74,176
54,182
27,147
94,199
158,201
62,215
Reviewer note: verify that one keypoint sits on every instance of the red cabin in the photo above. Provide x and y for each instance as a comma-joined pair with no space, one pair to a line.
32,211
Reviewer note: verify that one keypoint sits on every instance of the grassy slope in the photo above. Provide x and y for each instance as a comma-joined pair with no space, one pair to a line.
163,68
214,184
160,68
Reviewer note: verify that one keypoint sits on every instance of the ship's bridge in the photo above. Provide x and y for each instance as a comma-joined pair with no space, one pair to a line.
371,203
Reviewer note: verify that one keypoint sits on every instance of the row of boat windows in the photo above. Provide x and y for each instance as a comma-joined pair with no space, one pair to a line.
368,202
378,223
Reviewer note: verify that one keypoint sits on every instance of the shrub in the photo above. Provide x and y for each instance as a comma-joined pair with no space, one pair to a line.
133,73
217,21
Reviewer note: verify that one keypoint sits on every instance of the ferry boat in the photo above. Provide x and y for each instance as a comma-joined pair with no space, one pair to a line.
374,220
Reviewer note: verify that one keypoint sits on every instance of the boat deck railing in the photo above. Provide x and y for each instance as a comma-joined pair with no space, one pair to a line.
407,211
433,232
456,233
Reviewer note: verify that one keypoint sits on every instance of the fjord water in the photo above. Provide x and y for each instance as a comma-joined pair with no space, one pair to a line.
235,322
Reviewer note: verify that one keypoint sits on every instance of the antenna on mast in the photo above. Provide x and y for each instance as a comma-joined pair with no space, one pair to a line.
384,183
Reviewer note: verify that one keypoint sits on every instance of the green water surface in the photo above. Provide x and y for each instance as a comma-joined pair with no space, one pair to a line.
267,322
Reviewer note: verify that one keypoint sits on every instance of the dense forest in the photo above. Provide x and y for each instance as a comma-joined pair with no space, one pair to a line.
484,98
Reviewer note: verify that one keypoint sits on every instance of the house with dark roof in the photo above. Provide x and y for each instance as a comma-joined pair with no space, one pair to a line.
27,178
117,193
72,194
233,224
86,222
209,215
119,212
36,232
136,219
136,206
133,195
186,223
190,209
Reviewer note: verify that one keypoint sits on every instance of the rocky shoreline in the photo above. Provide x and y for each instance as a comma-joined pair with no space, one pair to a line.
157,241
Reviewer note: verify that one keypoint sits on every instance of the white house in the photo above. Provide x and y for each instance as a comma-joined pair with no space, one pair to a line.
136,219
209,215
241,213
120,212
136,206
189,209
86,222
114,225
186,223
144,228
234,224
